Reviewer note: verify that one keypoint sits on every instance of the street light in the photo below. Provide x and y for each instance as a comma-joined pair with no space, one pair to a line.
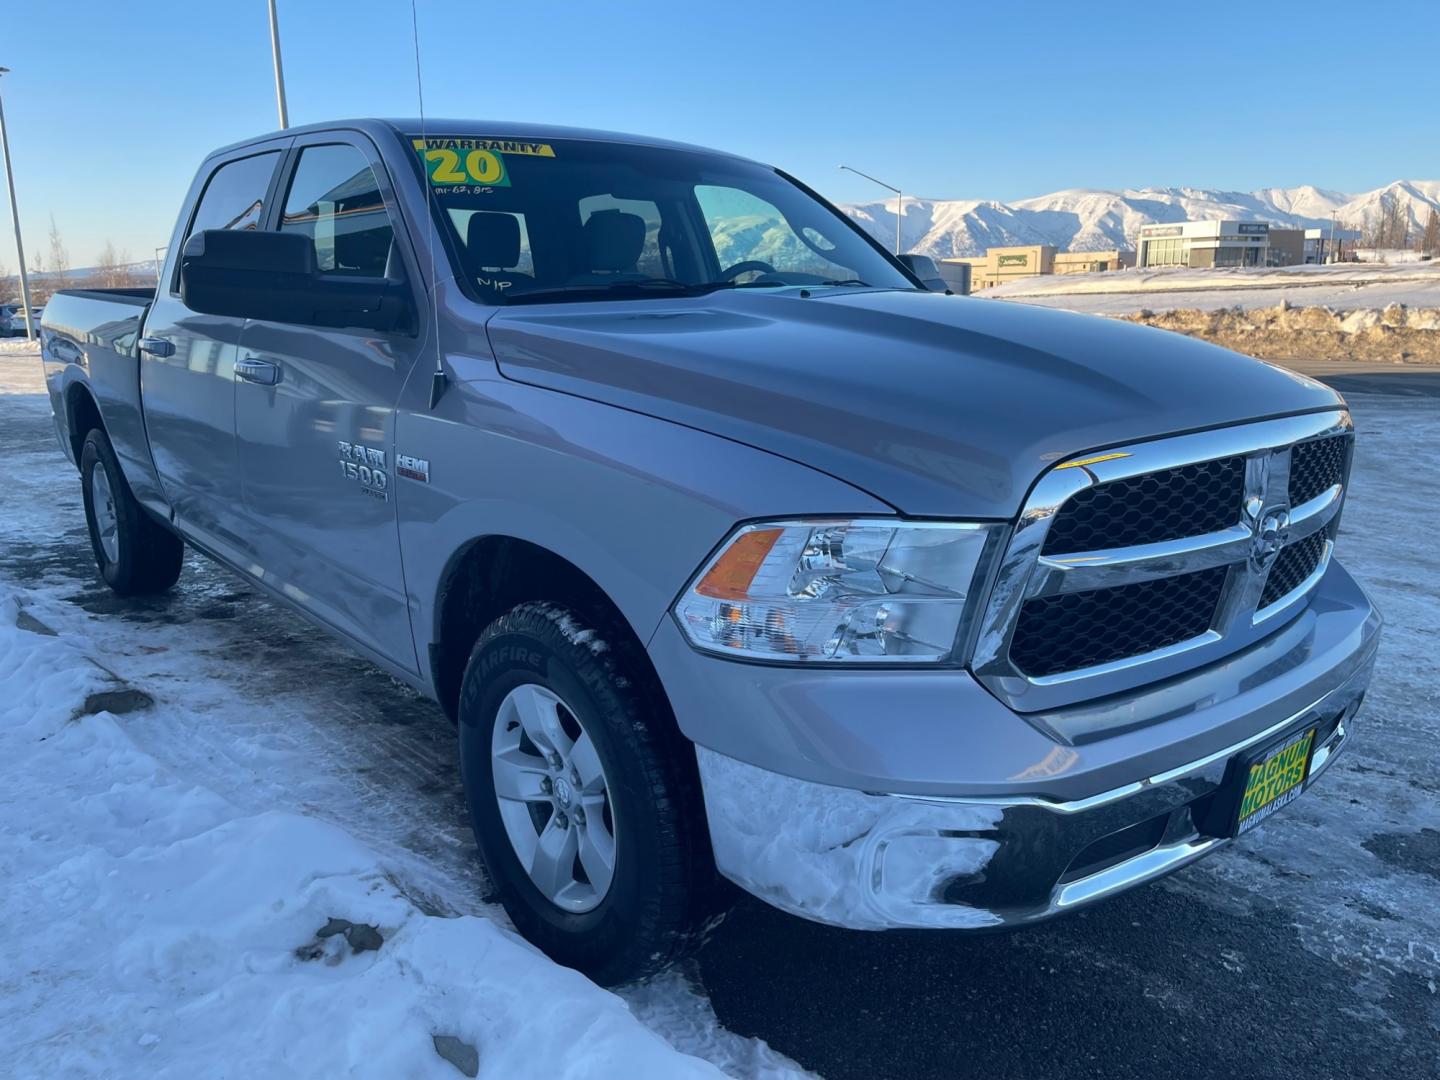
15,216
899,200
279,71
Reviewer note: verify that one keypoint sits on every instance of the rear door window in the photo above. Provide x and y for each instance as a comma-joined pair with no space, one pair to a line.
234,196
335,200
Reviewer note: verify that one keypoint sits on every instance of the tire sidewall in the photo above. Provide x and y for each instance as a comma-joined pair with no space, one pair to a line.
500,663
97,454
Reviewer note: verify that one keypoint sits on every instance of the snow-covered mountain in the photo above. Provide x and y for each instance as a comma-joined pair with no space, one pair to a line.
1093,220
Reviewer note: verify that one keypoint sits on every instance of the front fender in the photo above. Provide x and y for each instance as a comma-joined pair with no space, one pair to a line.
634,502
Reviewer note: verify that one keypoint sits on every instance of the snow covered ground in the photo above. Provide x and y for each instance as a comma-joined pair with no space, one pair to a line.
1342,287
206,875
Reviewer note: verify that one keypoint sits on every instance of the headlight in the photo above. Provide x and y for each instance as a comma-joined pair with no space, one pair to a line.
854,591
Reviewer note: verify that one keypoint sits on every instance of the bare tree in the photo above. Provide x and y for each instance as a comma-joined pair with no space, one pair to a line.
1430,238
113,269
1390,228
59,258
40,284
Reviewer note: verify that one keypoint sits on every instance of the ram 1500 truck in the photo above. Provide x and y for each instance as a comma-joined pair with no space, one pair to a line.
733,552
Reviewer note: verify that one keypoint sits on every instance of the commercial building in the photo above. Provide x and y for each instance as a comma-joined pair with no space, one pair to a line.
1207,244
1330,244
1286,247
1092,262
1204,244
1002,264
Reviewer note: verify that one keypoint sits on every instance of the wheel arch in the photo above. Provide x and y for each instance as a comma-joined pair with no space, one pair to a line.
491,574
82,414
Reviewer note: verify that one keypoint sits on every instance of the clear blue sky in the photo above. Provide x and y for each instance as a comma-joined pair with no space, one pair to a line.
111,105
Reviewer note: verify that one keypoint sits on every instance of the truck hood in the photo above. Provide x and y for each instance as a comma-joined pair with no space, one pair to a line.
939,405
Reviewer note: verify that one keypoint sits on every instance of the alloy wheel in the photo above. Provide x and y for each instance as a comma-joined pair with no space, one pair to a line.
554,798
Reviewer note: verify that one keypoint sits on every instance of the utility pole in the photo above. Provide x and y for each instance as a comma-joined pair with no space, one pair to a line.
279,69
15,216
899,200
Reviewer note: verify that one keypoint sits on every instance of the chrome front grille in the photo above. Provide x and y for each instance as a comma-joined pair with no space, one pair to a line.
1076,630
1163,505
1145,561
1294,566
1317,465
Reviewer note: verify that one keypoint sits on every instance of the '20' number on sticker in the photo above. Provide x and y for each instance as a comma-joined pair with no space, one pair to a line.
477,167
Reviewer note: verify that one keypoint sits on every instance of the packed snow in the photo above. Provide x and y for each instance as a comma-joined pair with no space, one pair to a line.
168,932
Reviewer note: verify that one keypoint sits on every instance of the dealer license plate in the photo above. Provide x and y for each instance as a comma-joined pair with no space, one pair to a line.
1275,780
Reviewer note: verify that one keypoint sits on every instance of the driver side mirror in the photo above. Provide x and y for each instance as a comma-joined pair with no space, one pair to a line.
249,274
924,268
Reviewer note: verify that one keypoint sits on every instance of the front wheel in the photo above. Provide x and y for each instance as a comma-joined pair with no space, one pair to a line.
134,553
584,812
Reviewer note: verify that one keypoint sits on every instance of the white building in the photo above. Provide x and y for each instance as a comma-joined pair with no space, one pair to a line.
1204,244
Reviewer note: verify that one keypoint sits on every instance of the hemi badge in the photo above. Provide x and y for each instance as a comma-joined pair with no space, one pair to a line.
412,468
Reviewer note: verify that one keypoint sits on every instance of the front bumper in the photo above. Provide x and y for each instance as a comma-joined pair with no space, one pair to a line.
878,858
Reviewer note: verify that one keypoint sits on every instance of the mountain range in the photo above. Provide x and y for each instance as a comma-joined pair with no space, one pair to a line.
1083,219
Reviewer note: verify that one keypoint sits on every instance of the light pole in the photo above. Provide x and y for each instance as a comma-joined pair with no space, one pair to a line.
899,200
15,216
279,70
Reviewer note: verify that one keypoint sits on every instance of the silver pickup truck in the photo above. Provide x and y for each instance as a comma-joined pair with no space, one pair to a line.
733,552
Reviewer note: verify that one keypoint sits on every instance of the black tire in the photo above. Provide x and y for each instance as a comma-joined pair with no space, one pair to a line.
147,556
664,890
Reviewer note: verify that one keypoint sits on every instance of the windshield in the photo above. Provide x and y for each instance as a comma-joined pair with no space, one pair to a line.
579,220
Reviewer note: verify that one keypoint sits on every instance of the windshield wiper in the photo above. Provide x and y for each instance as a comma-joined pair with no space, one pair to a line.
848,281
630,290
610,289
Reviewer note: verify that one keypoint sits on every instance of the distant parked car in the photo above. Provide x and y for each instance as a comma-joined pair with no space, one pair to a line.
12,319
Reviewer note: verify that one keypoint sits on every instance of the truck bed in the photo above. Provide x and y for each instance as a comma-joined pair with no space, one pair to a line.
88,348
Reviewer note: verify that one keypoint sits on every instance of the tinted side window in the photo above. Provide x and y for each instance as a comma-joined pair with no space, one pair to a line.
335,200
234,196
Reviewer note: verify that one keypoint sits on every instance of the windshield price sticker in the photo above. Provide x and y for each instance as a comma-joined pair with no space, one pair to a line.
480,163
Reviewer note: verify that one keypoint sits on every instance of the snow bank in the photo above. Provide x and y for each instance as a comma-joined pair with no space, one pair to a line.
1395,333
1343,287
153,929
1340,312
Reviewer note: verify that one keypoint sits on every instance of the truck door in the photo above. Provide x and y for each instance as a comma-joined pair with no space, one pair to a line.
315,411
188,360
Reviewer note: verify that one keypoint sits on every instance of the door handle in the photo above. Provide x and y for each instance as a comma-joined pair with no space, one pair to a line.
156,346
253,369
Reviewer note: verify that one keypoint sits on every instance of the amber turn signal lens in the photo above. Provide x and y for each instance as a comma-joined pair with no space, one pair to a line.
730,577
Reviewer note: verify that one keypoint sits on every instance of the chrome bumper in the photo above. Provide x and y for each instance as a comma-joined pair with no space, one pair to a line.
882,861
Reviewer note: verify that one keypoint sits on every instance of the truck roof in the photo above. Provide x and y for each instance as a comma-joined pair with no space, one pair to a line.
499,129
